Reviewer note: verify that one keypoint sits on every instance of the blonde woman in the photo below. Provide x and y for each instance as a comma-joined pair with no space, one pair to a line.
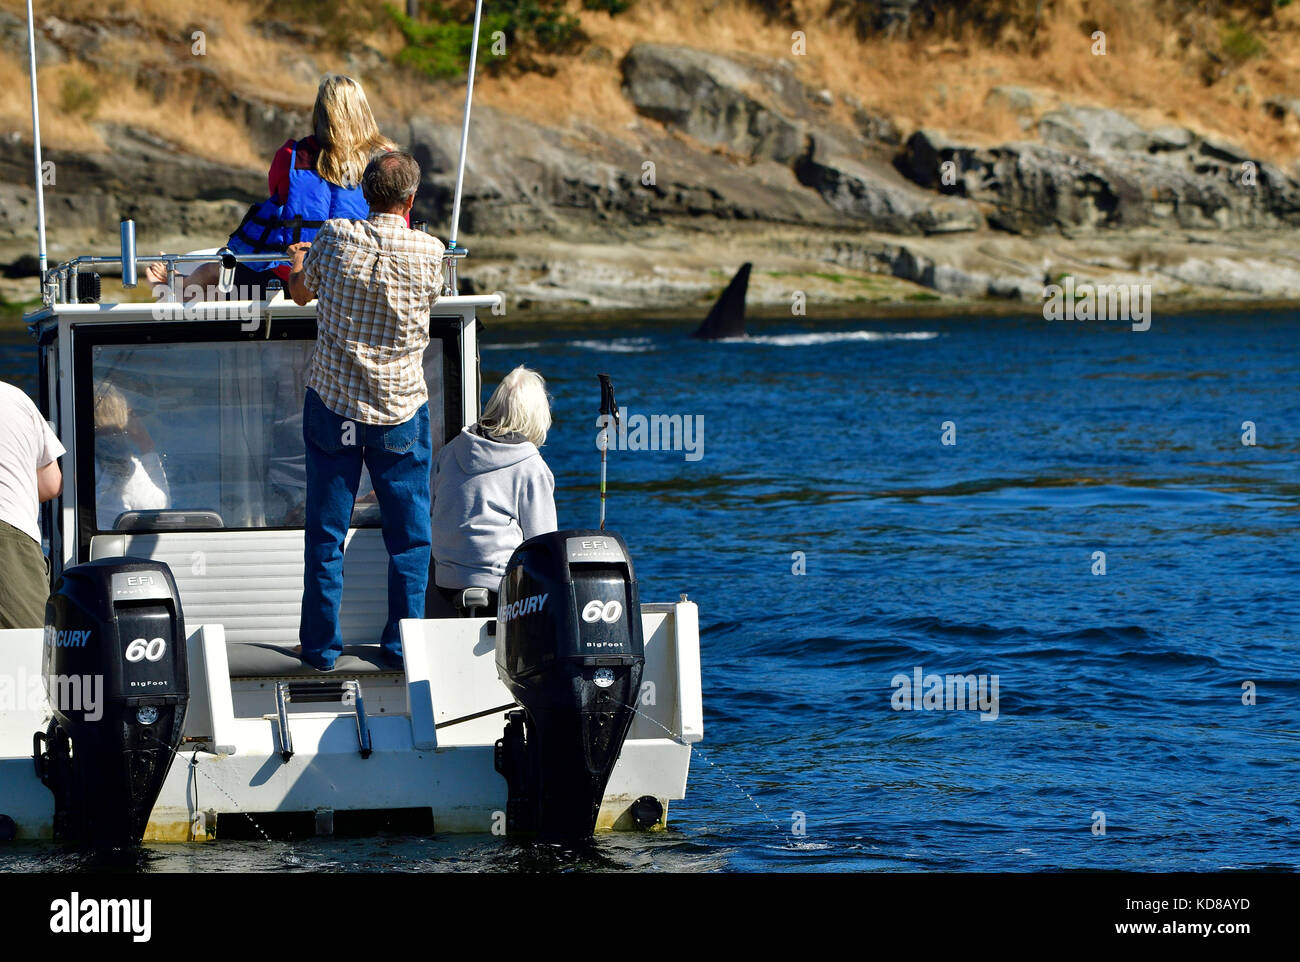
491,488
129,474
311,181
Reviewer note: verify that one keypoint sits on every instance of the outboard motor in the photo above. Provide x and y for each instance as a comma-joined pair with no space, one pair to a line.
117,678
570,649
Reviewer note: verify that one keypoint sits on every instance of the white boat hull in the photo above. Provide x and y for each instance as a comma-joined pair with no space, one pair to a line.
231,762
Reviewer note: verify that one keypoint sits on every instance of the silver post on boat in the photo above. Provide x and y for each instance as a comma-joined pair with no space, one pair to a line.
452,249
128,254
226,274
36,148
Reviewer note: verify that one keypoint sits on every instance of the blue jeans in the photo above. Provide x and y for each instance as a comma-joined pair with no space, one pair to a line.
398,458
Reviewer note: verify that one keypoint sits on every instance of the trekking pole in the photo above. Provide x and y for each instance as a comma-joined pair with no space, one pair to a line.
608,416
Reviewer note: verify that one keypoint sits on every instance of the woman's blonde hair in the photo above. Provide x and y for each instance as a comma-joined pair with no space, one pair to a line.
111,409
519,405
345,130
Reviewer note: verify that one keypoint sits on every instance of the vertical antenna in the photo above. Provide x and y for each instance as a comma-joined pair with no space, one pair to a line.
36,147
464,130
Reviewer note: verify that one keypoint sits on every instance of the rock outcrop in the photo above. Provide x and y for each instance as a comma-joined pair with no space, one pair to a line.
717,100
724,146
1096,169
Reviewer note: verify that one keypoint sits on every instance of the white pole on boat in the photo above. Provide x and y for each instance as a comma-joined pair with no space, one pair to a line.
464,130
36,144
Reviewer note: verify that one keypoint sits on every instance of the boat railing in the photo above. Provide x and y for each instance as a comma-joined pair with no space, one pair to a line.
61,284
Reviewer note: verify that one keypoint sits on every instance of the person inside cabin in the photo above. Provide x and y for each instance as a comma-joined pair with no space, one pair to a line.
29,475
129,474
367,403
311,180
492,490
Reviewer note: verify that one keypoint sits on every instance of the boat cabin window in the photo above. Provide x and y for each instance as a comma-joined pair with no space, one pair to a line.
204,434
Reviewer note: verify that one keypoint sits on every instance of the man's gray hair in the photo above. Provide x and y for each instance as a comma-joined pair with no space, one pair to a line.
390,178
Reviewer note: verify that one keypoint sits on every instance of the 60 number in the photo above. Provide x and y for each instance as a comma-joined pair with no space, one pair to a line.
141,650
606,611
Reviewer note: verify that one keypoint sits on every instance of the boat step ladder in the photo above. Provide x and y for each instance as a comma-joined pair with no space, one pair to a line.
347,692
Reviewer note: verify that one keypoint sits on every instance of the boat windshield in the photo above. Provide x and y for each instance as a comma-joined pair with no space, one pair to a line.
209,434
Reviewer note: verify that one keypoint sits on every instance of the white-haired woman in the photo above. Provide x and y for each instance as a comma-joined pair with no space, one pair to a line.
492,490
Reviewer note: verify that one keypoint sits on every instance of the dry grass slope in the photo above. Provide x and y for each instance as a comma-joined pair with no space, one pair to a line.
1154,68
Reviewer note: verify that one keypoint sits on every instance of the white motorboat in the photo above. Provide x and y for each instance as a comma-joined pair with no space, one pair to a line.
218,388
162,699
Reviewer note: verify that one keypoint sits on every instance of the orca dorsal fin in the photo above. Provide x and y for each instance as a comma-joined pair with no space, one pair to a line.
727,317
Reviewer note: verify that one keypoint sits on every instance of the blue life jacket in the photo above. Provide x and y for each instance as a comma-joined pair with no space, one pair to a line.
271,226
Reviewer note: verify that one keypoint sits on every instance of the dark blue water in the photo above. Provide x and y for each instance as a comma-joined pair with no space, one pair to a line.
1119,694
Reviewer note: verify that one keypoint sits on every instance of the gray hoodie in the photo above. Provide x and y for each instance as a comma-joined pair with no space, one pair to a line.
488,497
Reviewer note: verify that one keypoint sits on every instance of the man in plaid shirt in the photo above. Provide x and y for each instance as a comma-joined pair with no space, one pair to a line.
375,282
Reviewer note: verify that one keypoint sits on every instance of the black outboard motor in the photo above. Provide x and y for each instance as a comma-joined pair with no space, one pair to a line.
570,649
118,681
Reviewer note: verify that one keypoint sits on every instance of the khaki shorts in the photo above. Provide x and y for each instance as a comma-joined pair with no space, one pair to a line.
24,580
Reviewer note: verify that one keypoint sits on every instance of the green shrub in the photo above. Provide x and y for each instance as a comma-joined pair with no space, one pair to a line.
438,43
77,96
439,49
1239,44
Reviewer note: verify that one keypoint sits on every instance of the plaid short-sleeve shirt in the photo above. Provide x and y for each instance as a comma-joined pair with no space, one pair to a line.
375,282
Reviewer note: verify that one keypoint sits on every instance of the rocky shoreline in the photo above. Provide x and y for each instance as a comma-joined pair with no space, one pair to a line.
732,159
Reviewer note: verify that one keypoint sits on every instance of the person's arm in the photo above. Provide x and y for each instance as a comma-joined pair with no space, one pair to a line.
438,271
537,504
149,458
277,177
297,285
153,467
49,481
433,481
49,476
277,181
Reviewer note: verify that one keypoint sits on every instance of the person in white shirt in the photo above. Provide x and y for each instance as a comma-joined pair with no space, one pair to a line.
129,475
29,475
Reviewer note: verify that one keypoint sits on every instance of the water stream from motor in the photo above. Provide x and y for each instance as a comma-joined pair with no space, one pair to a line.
788,836
289,855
